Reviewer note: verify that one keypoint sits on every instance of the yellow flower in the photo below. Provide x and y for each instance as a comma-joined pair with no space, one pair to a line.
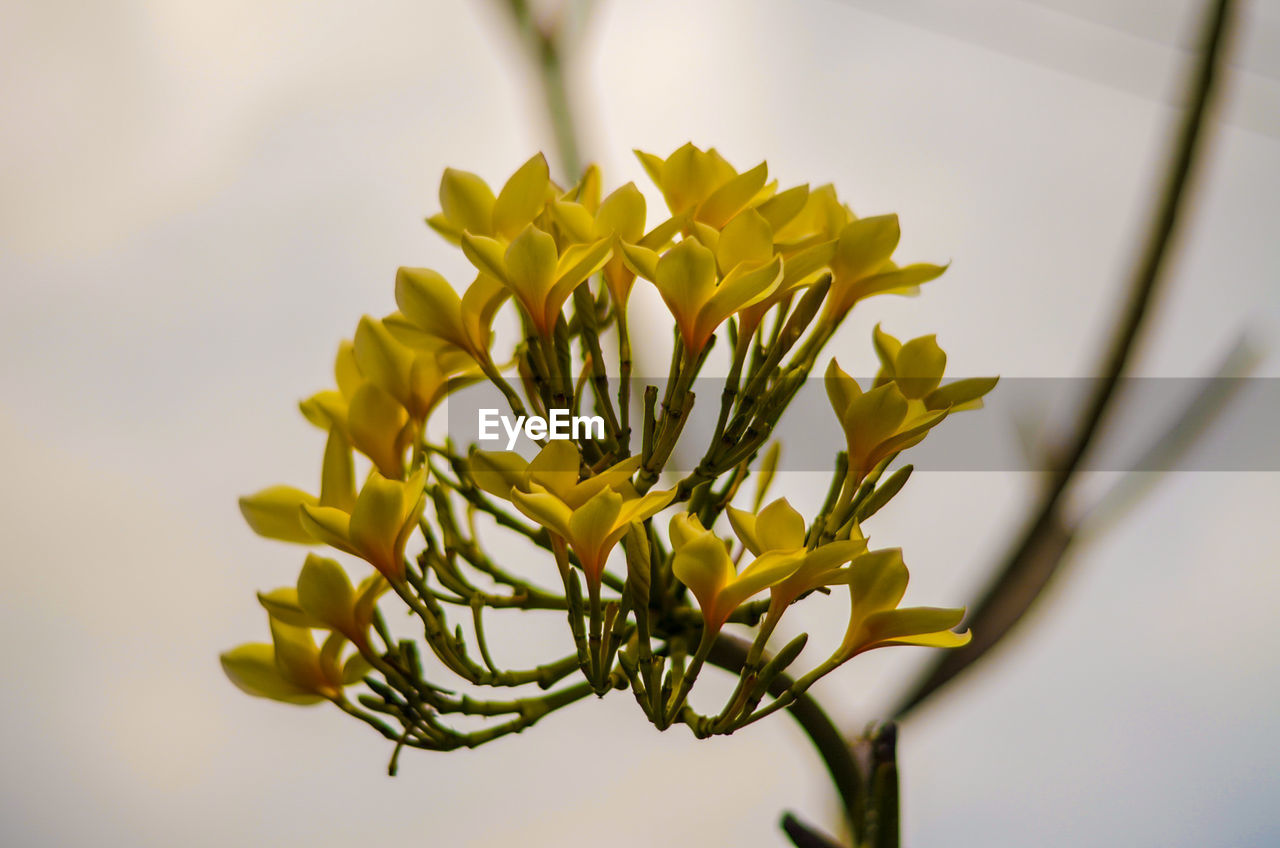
378,527
417,380
699,298
556,468
917,368
537,273
701,561
779,528
591,514
877,582
368,416
702,186
468,204
325,598
597,525
620,217
431,313
877,423
861,264
292,669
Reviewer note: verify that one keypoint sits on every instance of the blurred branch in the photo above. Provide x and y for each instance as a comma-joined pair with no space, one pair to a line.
1035,555
1198,417
547,46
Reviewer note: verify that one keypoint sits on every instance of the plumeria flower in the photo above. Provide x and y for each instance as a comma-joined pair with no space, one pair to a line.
433,315
590,514
877,423
699,298
537,273
378,527
861,265
369,417
556,468
917,368
779,528
325,598
877,581
469,205
292,668
417,380
702,187
593,528
701,561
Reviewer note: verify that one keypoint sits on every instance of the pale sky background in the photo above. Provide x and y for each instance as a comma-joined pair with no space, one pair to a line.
198,200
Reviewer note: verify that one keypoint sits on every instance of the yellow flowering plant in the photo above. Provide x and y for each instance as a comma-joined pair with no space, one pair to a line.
649,577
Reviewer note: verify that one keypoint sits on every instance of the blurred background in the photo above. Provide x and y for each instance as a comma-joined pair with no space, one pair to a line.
198,200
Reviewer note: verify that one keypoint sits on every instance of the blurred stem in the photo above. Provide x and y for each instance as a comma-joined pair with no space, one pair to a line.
546,47
1035,554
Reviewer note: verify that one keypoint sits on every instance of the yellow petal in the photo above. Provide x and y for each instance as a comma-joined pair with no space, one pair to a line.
642,261
704,566
522,198
325,593
960,393
574,223
686,279
486,254
479,304
652,165
865,246
744,526
467,201
273,513
428,302
531,269
739,289
683,529
377,521
497,472
283,604
377,422
326,410
252,668
383,361
747,238
763,572
898,281
337,477
346,370
782,207
544,508
841,388
919,367
729,199
779,527
590,526
330,526
901,625
622,214
870,419
297,657
877,581
555,468
645,506
887,348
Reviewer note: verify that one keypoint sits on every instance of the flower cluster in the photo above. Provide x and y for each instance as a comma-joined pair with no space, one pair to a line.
651,578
